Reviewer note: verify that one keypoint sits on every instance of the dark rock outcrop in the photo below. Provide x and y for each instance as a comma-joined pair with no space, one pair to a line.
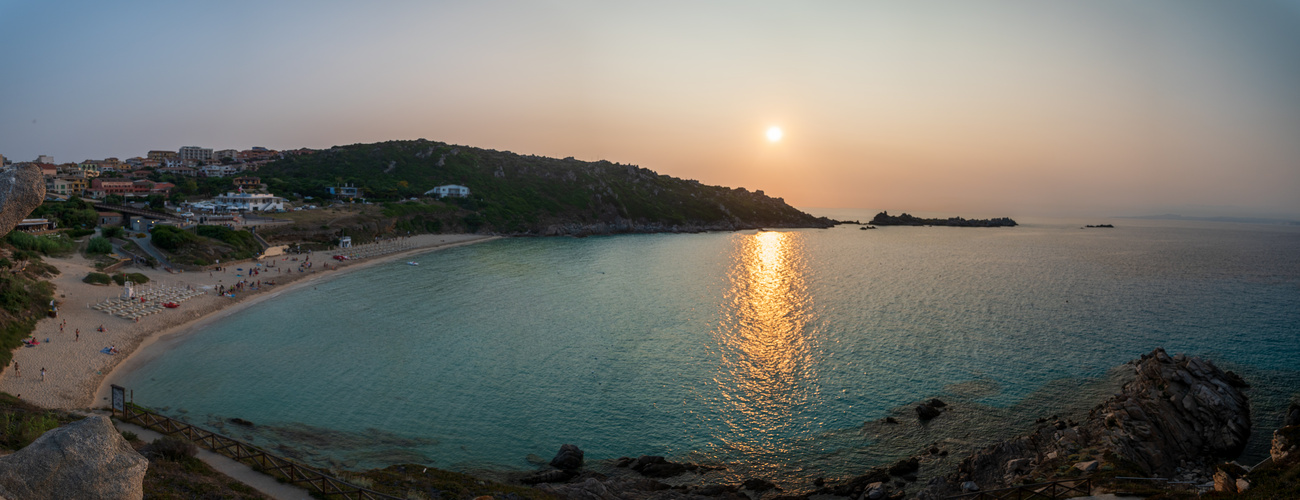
87,459
22,189
568,458
1177,410
1285,449
929,409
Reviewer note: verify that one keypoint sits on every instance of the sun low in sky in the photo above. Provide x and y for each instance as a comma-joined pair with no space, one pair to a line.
980,108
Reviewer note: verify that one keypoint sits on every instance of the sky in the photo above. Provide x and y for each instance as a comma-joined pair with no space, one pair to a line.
974,108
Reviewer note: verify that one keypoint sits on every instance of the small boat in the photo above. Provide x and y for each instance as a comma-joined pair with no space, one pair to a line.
412,263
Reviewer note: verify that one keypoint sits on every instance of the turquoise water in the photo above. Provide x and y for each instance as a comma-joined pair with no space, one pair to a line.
768,352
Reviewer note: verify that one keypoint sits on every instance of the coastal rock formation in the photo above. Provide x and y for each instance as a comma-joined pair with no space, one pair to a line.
568,458
1285,450
86,459
929,409
22,189
1177,411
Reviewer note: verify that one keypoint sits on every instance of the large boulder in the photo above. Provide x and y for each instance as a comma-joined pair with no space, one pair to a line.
568,458
87,459
22,189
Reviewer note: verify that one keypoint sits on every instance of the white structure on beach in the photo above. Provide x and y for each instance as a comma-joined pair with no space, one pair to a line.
258,202
453,190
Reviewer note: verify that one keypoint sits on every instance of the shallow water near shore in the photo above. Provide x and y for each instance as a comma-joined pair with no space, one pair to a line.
774,353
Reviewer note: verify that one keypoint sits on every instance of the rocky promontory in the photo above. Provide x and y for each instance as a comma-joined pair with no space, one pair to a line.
1178,416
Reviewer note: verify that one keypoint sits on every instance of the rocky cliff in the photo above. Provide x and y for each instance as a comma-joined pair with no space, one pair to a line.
22,189
1178,415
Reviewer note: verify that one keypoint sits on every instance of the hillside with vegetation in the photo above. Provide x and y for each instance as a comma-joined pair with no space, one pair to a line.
523,194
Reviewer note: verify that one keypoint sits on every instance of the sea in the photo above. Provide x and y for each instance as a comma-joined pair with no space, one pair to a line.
773,353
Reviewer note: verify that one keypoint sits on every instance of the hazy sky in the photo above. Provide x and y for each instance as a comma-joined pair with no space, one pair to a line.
973,107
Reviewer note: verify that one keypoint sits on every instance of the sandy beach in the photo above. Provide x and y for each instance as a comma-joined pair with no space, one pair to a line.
75,368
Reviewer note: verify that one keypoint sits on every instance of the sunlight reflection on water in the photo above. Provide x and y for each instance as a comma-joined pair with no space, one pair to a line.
766,373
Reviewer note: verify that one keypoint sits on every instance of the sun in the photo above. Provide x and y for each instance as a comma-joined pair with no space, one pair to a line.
774,134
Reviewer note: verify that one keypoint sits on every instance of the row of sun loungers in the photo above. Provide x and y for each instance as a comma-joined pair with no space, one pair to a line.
154,298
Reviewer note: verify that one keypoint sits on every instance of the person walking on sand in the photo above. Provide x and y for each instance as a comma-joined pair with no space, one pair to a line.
42,374
78,337
17,373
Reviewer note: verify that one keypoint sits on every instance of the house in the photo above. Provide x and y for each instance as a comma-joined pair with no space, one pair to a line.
248,182
48,170
217,171
453,190
256,202
163,188
139,174
112,186
345,191
36,225
185,171
65,185
161,155
110,219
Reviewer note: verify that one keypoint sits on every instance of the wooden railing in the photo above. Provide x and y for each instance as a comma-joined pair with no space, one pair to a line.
291,472
1054,490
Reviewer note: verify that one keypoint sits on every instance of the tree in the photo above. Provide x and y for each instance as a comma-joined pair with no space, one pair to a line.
114,199
157,202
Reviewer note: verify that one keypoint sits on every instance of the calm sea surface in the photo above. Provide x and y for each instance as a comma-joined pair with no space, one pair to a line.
771,352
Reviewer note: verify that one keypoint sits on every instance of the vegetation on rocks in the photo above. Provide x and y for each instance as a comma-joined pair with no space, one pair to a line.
25,297
521,194
51,244
884,219
204,245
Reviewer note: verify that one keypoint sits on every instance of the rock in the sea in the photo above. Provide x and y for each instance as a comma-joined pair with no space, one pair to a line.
549,476
926,412
1292,415
87,459
904,467
568,458
759,485
22,189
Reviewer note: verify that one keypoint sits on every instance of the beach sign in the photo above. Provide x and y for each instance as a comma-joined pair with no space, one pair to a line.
119,398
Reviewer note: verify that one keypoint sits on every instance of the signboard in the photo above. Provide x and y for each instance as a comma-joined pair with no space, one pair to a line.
119,398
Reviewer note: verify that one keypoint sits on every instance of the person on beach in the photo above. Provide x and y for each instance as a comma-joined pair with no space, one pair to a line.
42,374
17,373
78,337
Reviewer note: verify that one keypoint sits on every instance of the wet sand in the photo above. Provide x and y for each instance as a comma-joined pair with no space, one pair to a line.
78,374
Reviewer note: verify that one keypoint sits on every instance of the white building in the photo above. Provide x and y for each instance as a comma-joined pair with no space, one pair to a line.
218,171
256,202
195,153
225,153
448,190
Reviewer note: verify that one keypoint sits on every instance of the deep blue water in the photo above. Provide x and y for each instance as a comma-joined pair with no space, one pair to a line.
763,351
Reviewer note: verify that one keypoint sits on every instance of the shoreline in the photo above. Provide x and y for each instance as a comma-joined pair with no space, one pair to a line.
80,375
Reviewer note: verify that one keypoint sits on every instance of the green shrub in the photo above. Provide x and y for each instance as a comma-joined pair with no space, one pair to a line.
170,238
79,232
111,231
97,279
136,278
99,246
170,448
54,244
130,436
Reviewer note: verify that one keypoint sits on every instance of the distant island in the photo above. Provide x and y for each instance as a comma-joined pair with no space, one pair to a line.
884,219
1100,225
